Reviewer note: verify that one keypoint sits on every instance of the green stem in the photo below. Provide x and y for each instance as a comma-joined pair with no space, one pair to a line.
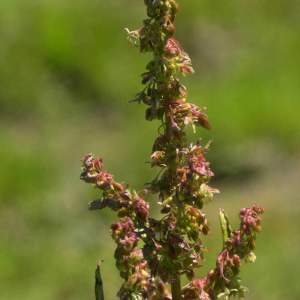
168,122
176,289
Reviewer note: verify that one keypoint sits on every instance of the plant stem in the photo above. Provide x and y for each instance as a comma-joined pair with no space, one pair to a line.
168,122
176,289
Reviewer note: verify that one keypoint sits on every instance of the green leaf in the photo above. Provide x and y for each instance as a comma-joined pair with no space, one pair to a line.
209,142
98,283
225,227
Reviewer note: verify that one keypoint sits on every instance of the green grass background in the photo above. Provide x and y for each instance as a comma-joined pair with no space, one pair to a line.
66,74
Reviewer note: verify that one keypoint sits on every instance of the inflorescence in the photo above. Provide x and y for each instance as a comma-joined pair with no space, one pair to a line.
172,246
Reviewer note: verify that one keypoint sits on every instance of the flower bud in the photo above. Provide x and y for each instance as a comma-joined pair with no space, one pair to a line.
174,7
258,209
175,127
185,68
116,226
132,281
241,294
136,257
152,12
199,202
205,229
125,196
132,37
88,178
228,261
257,229
171,30
250,258
182,92
141,210
251,221
118,187
184,107
236,261
122,212
203,121
157,158
203,190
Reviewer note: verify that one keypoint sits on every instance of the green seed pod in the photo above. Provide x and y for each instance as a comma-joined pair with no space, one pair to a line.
172,17
241,294
163,6
152,12
250,258
251,244
122,212
199,202
174,7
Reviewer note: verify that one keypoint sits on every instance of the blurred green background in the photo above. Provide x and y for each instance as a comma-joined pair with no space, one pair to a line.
66,74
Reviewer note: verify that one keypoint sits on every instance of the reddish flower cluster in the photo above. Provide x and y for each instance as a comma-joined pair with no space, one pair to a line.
197,289
114,194
186,179
133,225
130,261
250,221
173,245
239,245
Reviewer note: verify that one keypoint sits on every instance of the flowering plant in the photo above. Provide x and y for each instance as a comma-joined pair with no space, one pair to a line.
172,246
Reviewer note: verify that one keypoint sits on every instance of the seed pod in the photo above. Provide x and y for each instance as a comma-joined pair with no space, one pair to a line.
174,7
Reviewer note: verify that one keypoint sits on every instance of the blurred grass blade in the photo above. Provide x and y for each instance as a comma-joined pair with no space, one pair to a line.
98,283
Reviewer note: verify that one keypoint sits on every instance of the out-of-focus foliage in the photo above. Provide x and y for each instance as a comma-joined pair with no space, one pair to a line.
66,74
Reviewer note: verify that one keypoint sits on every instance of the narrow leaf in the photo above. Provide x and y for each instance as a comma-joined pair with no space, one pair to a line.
98,283
225,227
209,142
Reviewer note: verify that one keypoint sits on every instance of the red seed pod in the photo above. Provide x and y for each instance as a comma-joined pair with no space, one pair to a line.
228,261
141,210
258,209
211,276
116,226
118,187
236,261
